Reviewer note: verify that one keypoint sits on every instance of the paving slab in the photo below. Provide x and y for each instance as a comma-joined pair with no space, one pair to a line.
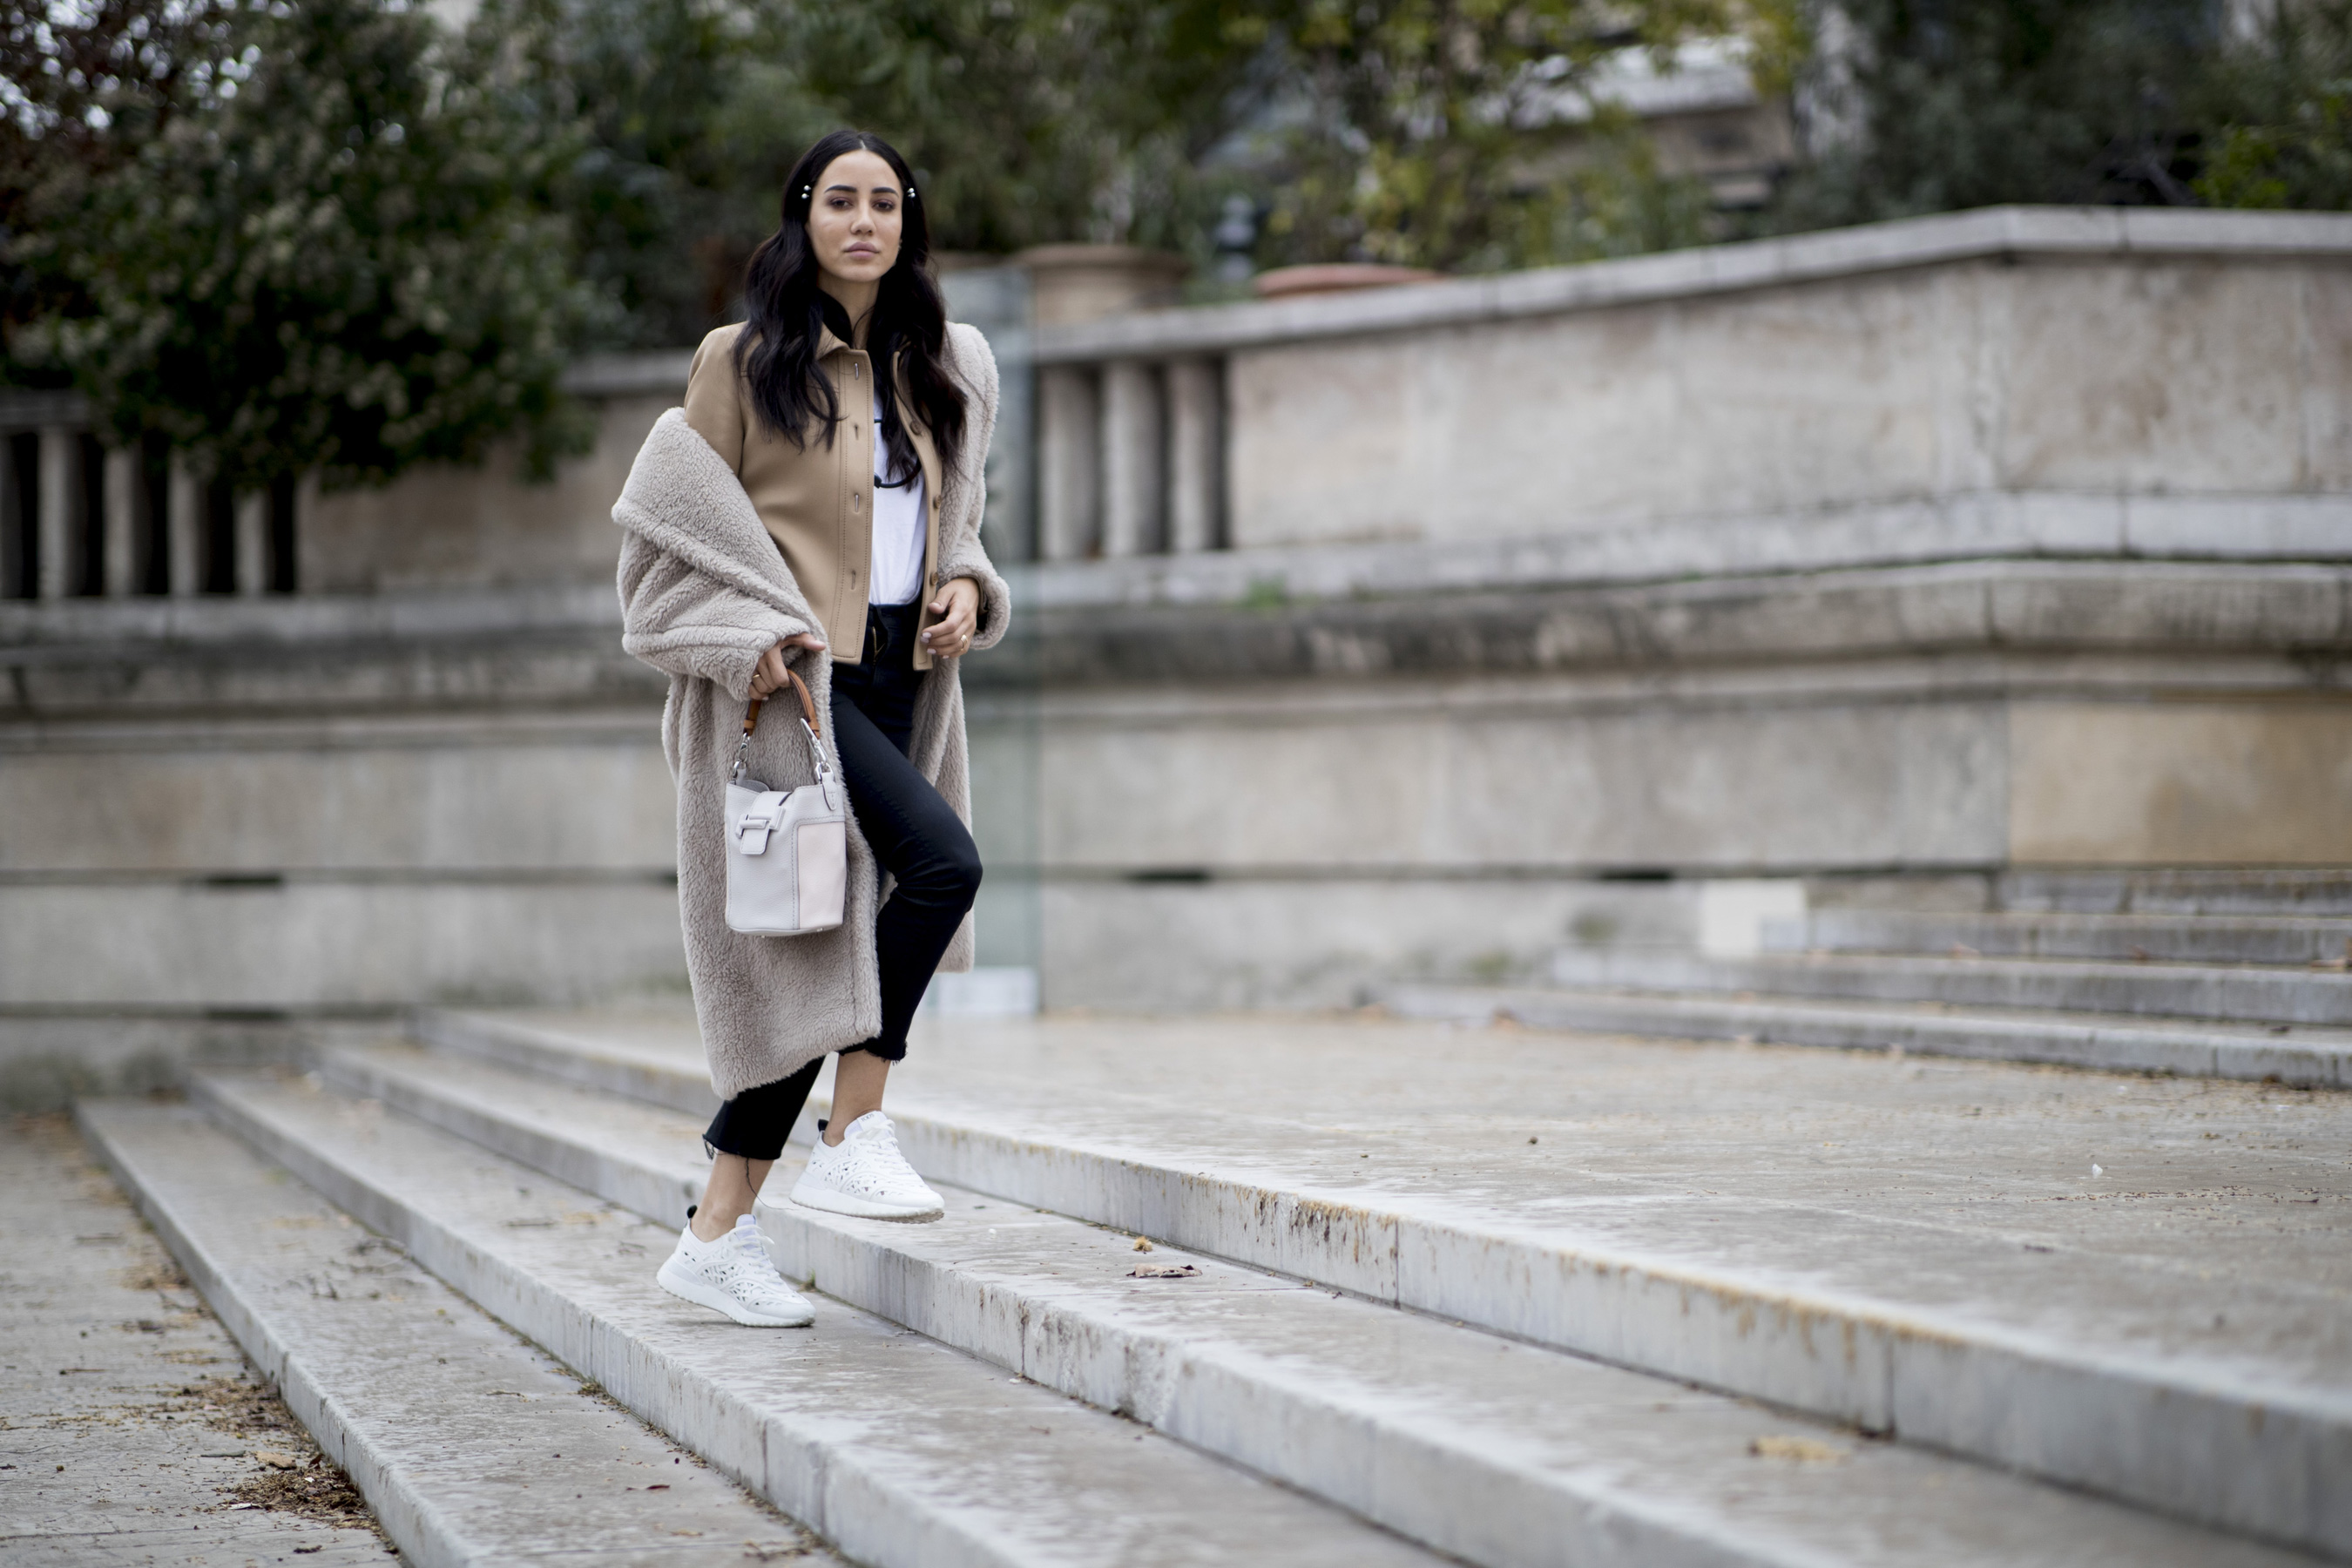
1924,1247
899,1450
130,1421
2295,1054
2230,992
1395,1414
472,1445
2193,939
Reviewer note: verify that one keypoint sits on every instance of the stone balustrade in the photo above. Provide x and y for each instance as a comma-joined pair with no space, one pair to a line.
2013,381
81,519
1131,458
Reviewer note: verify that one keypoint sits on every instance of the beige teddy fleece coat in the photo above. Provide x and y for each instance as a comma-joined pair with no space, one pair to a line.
704,592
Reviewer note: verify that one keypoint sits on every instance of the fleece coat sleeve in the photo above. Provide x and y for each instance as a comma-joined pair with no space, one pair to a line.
679,620
973,365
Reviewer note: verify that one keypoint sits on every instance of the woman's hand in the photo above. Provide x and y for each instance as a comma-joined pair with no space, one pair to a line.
957,608
768,677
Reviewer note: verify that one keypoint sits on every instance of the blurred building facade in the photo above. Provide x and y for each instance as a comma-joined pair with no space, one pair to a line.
1412,632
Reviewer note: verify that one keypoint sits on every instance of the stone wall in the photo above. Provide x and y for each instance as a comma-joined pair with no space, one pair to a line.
1883,560
1303,800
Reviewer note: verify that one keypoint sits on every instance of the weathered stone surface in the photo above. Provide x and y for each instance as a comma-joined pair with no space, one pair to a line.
470,1446
305,947
2182,782
449,527
1397,1415
129,1419
896,1449
2247,993
1919,1245
2300,1054
2215,939
587,798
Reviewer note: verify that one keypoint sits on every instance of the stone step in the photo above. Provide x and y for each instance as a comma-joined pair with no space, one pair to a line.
2128,1361
470,1446
2165,939
1394,1415
2257,1053
2239,992
2179,890
899,1451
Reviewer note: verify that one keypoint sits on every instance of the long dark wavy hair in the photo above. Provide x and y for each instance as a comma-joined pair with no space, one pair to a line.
785,311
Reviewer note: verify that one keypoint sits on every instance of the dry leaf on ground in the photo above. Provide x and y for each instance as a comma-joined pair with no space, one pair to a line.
1801,1450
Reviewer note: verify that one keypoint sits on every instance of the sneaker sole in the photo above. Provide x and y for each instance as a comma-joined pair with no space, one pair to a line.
832,1202
703,1295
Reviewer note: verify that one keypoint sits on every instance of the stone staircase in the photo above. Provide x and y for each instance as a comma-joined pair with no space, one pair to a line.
2218,974
1410,1336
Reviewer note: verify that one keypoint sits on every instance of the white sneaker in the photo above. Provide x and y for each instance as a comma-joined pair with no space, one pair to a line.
866,1175
734,1275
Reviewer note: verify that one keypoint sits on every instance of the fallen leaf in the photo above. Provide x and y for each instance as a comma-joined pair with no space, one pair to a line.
1141,1244
658,1486
276,1461
1800,1450
1161,1271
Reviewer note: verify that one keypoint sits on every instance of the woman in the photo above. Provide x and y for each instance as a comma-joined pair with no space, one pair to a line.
815,506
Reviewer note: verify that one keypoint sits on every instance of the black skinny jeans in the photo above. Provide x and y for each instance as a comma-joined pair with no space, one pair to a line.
918,839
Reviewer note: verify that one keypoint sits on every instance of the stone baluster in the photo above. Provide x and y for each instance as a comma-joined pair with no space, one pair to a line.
55,547
1195,456
1133,432
12,553
1069,487
252,515
121,548
183,528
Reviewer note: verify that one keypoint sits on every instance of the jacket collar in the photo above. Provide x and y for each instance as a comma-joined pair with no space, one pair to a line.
828,344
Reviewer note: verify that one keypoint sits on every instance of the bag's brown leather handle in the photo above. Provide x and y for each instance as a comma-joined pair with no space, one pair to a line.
808,706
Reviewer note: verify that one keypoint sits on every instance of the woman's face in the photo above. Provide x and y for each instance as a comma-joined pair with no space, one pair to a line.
856,218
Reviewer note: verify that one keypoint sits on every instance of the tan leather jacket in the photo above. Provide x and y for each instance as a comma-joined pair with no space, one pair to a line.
817,502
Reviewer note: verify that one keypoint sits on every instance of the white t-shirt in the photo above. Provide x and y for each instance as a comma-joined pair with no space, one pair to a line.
897,574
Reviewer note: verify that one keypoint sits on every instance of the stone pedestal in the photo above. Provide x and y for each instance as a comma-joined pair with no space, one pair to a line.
1076,283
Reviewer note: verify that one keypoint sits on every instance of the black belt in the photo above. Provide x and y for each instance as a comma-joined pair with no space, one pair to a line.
890,627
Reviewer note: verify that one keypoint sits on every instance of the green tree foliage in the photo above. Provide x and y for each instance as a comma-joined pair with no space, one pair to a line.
1463,134
1030,122
2281,101
79,93
331,257
1918,105
687,125
1038,121
1446,133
